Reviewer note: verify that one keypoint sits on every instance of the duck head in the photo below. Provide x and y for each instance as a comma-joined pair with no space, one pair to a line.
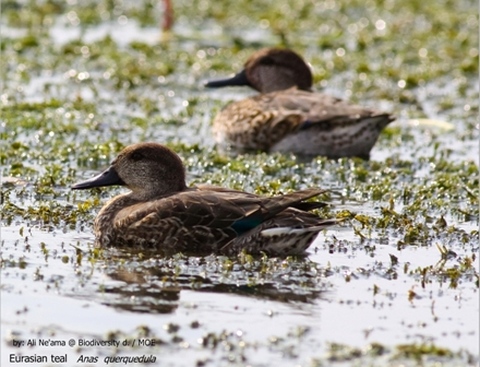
150,170
269,70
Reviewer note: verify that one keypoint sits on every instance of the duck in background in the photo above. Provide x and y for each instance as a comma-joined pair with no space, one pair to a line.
288,117
163,214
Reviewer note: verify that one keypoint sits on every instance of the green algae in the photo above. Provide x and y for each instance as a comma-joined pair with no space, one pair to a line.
107,94
419,351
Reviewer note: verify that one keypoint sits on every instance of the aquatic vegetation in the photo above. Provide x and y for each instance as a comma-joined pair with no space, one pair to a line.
83,80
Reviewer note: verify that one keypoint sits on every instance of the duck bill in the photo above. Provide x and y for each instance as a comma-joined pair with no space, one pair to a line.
236,80
108,177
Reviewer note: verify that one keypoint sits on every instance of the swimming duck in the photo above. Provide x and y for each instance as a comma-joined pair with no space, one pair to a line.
161,212
288,117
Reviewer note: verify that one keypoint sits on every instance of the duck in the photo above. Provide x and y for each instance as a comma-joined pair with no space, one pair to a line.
288,117
161,213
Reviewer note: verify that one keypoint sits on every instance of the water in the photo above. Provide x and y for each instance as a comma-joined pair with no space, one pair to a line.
332,302
213,311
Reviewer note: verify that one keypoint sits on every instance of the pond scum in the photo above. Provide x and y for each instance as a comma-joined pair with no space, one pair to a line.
76,90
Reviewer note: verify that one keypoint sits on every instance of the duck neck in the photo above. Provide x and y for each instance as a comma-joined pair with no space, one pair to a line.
106,218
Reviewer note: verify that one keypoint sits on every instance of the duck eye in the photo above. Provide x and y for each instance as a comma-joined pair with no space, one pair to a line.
136,156
267,61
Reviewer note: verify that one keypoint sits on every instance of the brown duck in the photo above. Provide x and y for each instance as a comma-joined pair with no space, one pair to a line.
288,117
161,212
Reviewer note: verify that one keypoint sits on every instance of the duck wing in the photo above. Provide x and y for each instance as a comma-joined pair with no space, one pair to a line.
290,232
259,122
320,110
204,218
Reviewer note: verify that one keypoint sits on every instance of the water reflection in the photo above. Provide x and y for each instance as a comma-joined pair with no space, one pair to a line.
140,282
137,294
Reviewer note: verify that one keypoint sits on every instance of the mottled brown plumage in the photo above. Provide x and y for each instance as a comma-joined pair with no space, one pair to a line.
288,117
161,212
